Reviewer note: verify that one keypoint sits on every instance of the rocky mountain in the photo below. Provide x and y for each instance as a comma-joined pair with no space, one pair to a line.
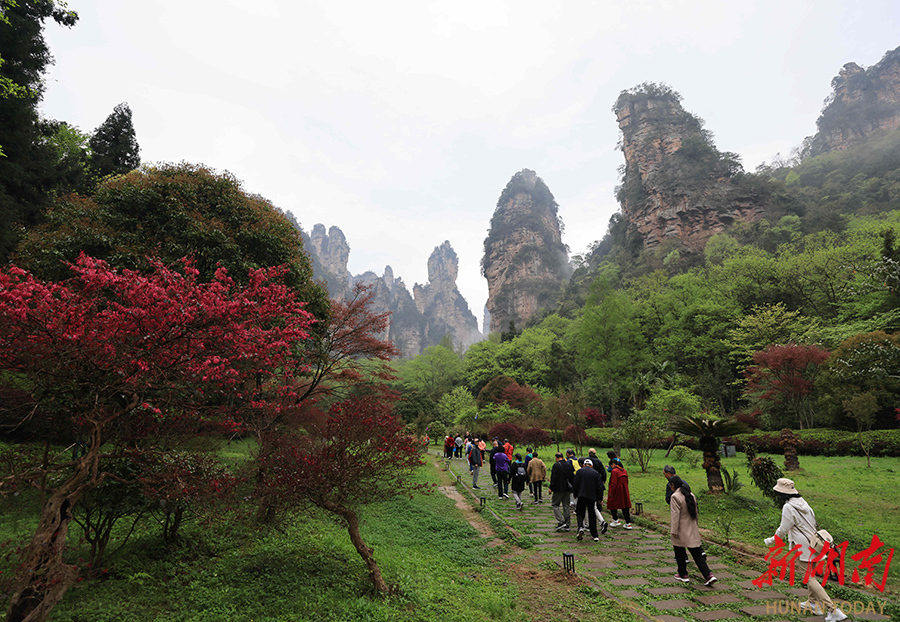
864,102
329,253
677,186
445,310
525,262
418,320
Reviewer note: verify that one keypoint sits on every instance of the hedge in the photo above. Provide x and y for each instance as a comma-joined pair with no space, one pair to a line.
823,442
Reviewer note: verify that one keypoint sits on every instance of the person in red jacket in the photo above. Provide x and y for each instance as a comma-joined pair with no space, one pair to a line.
619,497
508,449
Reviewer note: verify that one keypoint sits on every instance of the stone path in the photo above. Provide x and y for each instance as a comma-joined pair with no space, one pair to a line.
637,567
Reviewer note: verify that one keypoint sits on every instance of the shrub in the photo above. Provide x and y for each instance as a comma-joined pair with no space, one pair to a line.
594,417
536,437
575,434
765,474
510,431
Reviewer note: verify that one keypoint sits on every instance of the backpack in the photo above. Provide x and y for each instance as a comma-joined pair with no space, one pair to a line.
520,472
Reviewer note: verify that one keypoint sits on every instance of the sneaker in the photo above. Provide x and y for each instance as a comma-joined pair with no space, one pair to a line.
710,580
506,496
535,502
561,528
811,607
580,535
627,525
835,616
604,527
494,485
683,579
596,539
477,487
615,523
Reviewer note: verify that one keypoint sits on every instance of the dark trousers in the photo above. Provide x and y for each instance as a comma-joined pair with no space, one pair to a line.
538,490
502,483
587,505
626,514
697,554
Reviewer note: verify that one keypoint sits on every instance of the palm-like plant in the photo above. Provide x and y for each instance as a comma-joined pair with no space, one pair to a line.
708,433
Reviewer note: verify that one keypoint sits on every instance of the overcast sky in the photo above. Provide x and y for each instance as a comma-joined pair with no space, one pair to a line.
401,122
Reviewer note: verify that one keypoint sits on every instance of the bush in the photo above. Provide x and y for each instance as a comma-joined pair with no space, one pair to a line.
536,437
575,434
823,442
510,431
594,417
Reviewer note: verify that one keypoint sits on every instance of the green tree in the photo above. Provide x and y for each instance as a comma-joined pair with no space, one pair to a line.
610,345
172,211
434,372
27,163
708,432
114,146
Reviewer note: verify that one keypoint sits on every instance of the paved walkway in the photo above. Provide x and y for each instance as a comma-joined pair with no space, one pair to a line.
637,567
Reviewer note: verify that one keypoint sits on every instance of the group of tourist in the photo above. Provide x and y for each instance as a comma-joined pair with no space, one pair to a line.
580,483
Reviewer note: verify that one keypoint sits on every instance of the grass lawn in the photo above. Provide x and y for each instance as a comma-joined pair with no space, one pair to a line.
850,500
444,569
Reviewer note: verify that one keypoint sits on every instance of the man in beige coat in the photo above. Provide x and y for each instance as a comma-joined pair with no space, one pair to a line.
537,473
685,531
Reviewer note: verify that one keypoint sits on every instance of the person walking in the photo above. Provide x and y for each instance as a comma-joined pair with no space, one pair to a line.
798,527
619,497
685,531
492,462
459,446
537,473
669,473
561,492
518,479
501,466
587,489
475,464
598,466
528,457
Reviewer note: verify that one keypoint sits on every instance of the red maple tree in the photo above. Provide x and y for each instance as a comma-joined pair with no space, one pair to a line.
362,454
122,360
785,375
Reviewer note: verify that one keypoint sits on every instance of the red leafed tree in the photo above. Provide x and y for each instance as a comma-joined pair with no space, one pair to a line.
346,355
521,397
784,376
343,353
359,456
122,360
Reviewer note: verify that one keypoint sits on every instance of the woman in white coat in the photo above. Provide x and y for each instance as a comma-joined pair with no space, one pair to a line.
685,531
798,526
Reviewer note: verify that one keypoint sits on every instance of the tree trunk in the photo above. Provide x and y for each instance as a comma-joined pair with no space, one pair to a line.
43,578
365,552
713,466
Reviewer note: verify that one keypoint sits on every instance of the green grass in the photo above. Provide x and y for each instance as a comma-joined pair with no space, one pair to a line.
305,570
851,501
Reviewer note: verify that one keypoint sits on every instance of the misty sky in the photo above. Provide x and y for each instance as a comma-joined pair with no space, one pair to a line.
401,122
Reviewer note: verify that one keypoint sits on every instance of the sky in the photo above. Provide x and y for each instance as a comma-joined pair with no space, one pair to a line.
402,121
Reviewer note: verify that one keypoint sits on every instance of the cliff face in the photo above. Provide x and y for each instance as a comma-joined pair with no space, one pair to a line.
329,253
439,301
863,102
438,308
676,185
525,261
407,327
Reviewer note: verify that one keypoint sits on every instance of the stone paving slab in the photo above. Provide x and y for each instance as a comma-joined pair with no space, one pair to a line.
668,618
763,595
719,614
639,562
718,599
667,591
718,586
675,603
629,594
632,571
749,573
632,581
601,565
